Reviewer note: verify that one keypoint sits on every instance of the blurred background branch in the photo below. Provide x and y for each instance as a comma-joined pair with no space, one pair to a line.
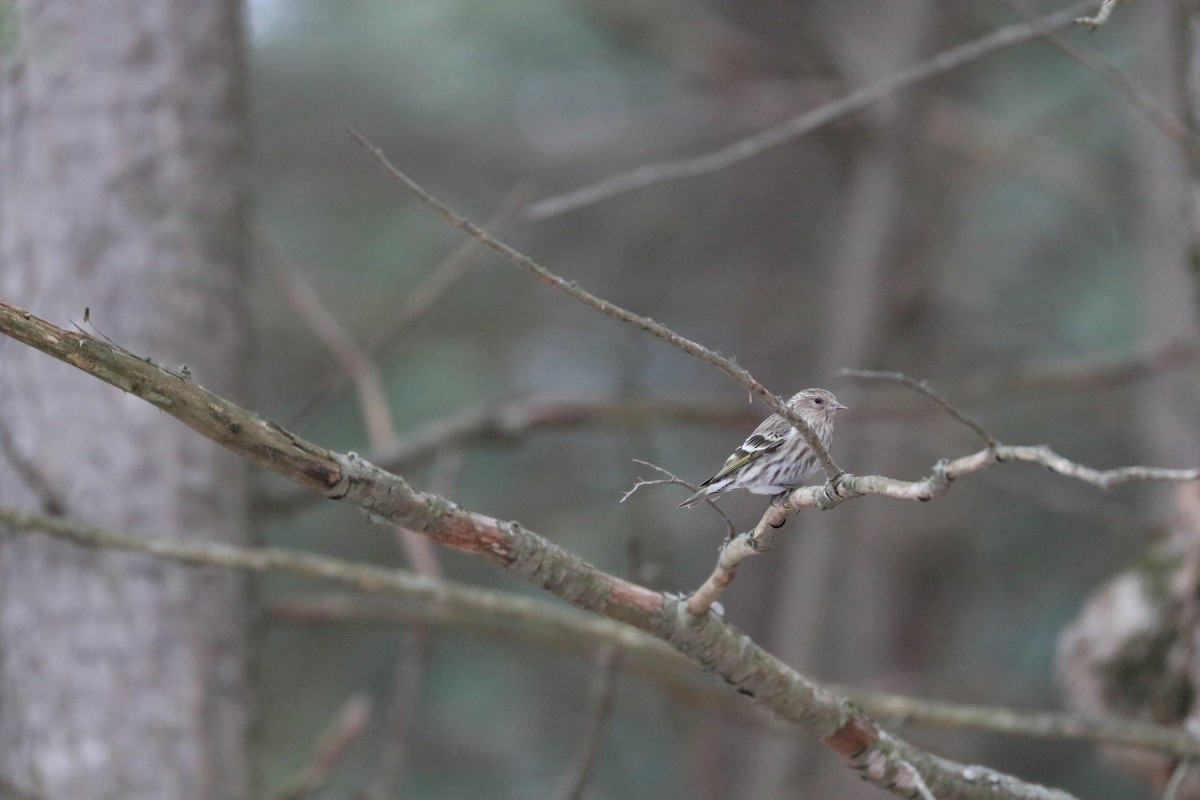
752,146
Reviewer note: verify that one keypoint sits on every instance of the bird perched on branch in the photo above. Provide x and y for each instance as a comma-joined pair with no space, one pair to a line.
775,458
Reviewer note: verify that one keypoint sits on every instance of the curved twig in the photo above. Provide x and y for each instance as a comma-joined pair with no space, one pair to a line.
672,478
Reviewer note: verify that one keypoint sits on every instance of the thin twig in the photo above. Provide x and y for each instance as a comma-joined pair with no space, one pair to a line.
351,358
743,149
517,418
602,694
1186,764
470,253
30,471
739,374
924,388
413,308
330,750
672,478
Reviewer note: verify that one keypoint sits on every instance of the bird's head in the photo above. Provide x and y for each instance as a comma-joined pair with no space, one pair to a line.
815,402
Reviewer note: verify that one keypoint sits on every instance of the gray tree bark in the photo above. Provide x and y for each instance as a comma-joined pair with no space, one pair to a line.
122,189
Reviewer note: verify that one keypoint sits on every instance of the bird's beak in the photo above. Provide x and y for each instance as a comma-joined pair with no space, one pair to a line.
838,406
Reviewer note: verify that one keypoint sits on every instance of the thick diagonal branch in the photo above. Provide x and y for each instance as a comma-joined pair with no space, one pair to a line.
881,758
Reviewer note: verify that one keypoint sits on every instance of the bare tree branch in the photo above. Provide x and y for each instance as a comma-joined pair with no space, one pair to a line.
1177,778
514,419
448,604
449,272
412,599
739,374
517,418
743,149
829,495
877,755
914,781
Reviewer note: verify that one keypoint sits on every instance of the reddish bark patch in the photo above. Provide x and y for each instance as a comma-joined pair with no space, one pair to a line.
473,533
630,594
851,739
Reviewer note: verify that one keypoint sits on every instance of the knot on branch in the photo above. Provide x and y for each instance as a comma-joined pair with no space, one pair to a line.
762,538
830,494
938,482
527,561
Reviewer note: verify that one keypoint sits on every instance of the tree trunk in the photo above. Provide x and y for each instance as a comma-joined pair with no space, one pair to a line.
122,151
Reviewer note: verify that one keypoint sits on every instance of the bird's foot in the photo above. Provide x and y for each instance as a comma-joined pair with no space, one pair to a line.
777,502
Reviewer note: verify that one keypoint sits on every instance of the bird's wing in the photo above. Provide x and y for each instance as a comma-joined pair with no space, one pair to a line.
765,439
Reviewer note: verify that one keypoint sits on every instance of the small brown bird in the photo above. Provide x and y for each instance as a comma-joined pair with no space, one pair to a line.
775,458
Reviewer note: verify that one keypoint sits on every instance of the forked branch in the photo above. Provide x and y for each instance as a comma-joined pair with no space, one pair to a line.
764,535
829,495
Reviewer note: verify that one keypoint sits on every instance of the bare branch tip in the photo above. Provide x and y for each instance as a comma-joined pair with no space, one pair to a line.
1100,17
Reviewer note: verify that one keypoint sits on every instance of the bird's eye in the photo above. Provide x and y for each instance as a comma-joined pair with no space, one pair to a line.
818,400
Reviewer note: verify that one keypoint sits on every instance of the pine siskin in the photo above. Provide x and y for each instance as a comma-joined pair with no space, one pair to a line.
775,458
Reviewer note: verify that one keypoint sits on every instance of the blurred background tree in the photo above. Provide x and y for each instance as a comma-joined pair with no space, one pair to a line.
1010,220
1014,230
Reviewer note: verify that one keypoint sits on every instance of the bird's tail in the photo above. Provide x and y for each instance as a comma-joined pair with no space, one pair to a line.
694,499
